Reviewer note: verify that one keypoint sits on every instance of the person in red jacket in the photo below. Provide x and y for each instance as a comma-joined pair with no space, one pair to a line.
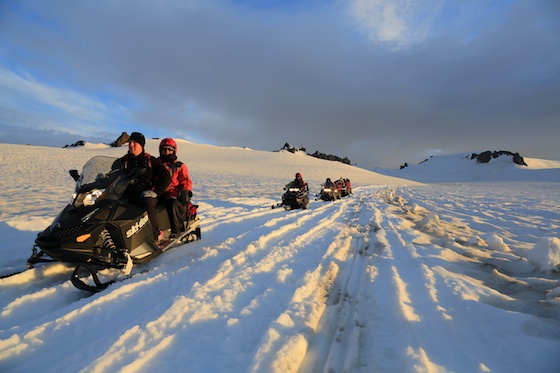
179,193
348,186
299,183
150,185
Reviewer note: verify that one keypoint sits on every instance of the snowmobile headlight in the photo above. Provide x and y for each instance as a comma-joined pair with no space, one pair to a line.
92,196
294,189
327,189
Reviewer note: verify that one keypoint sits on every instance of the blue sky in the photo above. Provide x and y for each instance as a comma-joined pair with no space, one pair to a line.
381,82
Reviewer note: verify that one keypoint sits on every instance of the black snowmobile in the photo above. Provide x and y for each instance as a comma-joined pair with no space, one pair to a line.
343,189
295,197
329,193
99,229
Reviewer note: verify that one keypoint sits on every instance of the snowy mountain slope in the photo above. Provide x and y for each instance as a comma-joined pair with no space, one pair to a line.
396,278
461,168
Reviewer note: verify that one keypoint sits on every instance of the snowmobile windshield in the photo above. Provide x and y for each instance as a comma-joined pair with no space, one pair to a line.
98,172
292,187
101,178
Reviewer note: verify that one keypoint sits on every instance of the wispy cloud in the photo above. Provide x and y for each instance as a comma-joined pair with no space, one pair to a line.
399,23
38,105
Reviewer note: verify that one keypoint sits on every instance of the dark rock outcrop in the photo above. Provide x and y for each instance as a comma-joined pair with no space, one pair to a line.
330,157
487,156
292,149
77,143
317,154
121,140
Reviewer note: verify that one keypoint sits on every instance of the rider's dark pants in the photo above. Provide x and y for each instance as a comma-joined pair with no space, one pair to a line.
176,212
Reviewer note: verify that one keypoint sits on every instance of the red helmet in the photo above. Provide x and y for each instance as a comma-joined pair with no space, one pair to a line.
168,142
298,176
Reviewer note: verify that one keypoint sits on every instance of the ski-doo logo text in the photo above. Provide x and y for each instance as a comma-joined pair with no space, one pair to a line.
137,226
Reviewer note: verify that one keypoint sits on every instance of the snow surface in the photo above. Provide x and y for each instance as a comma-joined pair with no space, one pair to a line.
456,276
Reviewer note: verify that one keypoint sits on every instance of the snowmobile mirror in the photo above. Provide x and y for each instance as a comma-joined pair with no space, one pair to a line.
75,175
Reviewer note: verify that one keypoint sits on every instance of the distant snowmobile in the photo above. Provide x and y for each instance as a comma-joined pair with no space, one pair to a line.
295,197
343,191
329,191
99,229
344,187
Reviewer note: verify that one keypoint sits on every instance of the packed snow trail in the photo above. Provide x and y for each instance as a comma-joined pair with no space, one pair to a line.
369,283
393,318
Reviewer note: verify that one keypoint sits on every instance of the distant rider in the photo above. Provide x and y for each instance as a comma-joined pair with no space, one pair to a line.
348,186
179,193
299,183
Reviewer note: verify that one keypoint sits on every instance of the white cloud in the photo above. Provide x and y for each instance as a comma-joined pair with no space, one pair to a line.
397,22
